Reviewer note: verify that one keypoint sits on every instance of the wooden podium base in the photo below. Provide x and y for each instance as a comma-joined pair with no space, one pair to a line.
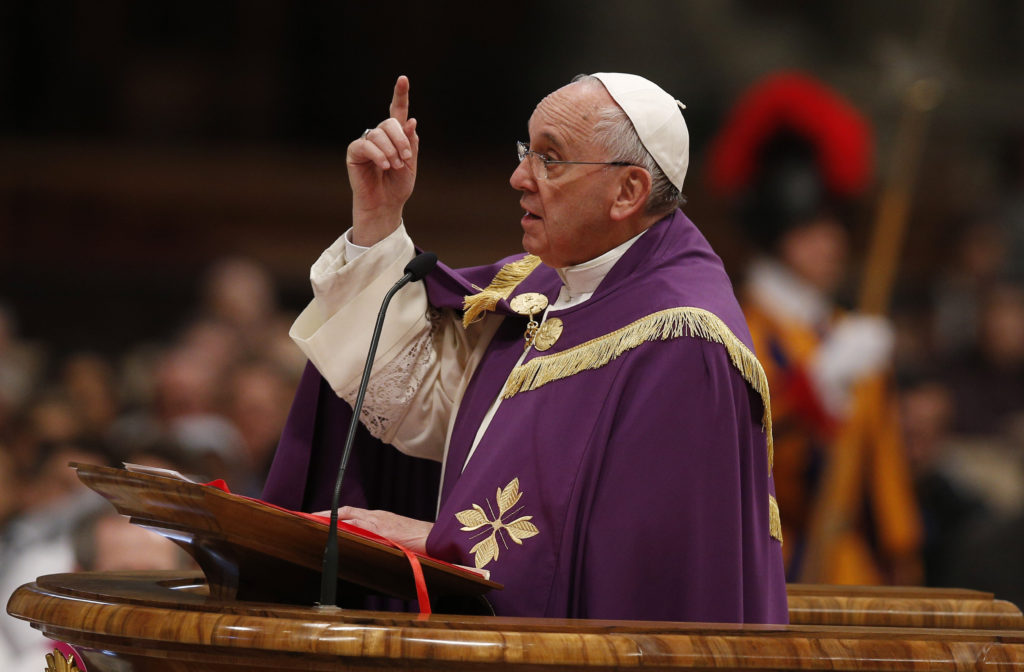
155,622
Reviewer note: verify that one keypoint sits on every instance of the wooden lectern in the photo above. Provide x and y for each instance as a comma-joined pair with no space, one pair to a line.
250,550
235,618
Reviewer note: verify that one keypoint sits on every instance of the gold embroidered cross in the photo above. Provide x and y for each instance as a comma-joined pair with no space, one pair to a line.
517,530
58,662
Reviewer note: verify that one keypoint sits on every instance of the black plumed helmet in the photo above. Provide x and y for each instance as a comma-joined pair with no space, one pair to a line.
791,149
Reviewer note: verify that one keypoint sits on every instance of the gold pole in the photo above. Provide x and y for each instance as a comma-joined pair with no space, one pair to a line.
894,207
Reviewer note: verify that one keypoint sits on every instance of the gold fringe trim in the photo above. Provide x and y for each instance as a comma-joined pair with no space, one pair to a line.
501,287
774,519
660,326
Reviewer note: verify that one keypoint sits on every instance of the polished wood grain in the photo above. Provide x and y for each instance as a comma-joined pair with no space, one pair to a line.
168,621
898,606
251,551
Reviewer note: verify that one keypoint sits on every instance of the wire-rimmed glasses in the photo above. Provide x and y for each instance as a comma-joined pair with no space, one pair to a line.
540,167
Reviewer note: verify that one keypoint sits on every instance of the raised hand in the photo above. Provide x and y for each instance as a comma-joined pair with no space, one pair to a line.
382,171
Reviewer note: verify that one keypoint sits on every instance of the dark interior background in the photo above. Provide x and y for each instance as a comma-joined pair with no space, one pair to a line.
141,141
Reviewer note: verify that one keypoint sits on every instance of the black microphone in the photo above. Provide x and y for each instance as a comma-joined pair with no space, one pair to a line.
415,270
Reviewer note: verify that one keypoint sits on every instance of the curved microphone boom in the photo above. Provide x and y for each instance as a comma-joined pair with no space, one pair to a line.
421,265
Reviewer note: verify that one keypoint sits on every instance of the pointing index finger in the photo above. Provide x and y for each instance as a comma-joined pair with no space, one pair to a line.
400,100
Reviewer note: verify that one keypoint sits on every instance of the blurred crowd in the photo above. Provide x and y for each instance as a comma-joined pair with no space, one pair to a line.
209,402
959,366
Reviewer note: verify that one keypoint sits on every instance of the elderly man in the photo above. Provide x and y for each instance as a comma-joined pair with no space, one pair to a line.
602,423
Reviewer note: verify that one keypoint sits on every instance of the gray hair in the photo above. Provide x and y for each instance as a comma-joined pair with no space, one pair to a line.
614,131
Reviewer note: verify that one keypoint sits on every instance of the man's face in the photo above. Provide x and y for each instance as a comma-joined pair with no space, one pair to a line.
817,252
567,214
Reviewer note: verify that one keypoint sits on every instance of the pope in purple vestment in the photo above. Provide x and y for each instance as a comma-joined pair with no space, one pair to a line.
626,472
642,484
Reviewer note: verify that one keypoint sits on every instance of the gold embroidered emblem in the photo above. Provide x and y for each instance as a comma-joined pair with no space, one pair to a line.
516,530
58,662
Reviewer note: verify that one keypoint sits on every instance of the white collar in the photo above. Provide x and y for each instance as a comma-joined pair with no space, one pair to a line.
777,289
584,278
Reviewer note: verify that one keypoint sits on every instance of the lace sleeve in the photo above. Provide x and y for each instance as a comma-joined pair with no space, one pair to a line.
394,384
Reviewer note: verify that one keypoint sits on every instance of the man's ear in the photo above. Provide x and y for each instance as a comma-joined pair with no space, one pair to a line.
631,198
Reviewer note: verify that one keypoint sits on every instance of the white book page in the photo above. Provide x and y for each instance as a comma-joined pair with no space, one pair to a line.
158,471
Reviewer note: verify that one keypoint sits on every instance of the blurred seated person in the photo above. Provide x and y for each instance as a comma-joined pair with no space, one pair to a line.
107,542
987,378
37,540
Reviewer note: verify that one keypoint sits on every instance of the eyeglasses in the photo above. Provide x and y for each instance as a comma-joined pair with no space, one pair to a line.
523,151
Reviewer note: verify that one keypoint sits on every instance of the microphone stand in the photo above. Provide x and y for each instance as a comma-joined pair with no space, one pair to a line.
415,270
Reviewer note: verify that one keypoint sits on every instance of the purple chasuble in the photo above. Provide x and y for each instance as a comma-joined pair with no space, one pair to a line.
635,487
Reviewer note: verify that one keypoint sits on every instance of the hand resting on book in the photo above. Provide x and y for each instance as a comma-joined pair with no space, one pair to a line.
408,532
